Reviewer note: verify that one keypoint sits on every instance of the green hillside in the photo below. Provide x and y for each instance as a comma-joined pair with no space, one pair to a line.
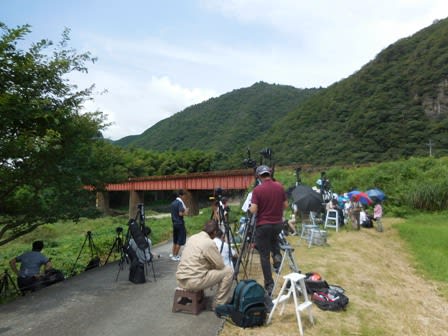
226,124
390,109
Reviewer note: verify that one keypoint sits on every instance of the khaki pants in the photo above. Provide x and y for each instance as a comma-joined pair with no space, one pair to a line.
223,278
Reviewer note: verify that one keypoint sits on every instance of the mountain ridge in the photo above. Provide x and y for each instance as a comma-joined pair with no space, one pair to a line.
389,109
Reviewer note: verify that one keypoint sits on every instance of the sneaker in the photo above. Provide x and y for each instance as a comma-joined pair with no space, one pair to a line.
175,258
171,255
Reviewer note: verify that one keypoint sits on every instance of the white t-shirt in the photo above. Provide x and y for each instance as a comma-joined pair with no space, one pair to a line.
362,216
225,251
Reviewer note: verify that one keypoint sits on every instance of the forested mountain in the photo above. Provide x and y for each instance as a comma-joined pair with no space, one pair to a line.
226,124
391,108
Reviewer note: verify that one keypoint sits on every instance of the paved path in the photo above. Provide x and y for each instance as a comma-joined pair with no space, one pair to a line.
94,304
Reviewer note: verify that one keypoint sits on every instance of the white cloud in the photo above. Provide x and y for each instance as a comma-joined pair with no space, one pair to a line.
304,44
132,104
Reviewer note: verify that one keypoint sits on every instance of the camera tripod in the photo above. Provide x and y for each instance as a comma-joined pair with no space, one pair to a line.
246,251
288,256
5,281
94,254
224,225
117,246
137,234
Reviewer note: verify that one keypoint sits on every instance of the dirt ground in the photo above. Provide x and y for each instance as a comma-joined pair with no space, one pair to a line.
387,296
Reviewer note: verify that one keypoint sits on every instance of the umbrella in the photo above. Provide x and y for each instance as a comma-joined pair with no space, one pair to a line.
376,194
352,193
362,197
341,200
306,198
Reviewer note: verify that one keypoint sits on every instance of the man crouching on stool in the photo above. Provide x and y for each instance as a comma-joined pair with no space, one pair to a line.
201,265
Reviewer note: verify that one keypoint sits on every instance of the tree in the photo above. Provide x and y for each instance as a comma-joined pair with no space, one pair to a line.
48,148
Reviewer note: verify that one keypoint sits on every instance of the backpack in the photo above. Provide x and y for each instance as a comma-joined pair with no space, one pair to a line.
93,263
331,299
52,276
137,272
248,305
314,283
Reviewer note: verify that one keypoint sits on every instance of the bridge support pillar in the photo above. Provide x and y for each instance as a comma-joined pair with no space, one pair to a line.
135,197
102,202
192,202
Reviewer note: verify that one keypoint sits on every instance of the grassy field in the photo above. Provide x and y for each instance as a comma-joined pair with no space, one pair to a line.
396,281
396,286
66,241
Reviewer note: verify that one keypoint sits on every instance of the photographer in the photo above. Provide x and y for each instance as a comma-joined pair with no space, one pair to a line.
202,266
30,277
268,203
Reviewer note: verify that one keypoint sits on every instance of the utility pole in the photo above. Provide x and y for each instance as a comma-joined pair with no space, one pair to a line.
430,144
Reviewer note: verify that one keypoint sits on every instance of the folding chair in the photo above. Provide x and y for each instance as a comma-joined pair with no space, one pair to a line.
332,219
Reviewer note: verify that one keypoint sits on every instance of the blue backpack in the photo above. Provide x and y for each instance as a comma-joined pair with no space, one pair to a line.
248,305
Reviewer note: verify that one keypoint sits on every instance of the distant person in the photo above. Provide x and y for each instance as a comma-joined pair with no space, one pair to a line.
227,252
268,204
30,276
178,211
377,215
202,266
365,219
292,225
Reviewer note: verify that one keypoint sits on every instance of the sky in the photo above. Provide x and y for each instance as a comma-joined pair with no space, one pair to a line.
156,58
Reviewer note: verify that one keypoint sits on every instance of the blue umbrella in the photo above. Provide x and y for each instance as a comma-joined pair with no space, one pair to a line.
376,194
350,194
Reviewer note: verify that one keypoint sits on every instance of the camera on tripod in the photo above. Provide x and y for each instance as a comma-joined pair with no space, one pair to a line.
325,182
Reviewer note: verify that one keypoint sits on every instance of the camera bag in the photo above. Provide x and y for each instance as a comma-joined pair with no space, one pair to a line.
247,308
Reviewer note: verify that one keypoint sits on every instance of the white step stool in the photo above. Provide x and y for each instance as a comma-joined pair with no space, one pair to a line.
296,283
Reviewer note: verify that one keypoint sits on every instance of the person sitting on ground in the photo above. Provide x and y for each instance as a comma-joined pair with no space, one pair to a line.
30,277
293,220
364,218
201,265
228,254
292,225
143,255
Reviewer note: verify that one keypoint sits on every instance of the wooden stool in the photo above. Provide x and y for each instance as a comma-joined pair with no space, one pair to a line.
195,304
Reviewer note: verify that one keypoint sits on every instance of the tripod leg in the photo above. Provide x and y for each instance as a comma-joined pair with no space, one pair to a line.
4,284
79,254
292,262
111,250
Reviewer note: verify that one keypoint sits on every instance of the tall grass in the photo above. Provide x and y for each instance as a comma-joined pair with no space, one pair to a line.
427,238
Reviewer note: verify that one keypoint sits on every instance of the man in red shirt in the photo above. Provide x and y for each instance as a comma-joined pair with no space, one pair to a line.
268,203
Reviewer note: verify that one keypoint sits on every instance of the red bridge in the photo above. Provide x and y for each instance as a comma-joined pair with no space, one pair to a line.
227,180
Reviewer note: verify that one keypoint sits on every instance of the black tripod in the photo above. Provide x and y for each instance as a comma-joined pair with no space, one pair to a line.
5,282
245,255
94,254
224,225
117,246
137,234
